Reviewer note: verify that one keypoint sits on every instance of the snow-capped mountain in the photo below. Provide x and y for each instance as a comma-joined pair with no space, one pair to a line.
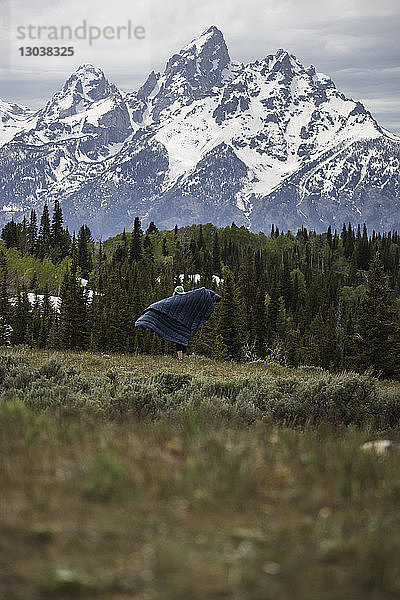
206,140
88,110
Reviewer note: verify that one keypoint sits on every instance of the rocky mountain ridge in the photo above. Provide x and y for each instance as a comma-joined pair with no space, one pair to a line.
207,140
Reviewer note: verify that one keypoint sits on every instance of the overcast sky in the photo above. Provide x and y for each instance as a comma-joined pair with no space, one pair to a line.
356,42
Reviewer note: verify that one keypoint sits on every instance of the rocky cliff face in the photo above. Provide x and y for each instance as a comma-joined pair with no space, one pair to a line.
206,140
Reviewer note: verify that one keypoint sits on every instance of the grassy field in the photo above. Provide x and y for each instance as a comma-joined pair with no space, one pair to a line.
142,477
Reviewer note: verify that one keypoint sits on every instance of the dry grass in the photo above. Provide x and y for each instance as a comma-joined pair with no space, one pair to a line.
163,511
125,365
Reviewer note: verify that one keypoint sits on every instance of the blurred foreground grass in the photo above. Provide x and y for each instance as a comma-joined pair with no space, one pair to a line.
196,503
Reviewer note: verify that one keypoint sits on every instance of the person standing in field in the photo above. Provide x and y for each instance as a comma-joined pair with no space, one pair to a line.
174,318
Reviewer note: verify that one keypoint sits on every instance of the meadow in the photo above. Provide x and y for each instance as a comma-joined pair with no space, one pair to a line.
142,477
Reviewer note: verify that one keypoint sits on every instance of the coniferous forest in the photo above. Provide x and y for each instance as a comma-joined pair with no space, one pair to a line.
294,298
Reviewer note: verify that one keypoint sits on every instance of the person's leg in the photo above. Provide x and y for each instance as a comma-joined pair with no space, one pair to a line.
180,350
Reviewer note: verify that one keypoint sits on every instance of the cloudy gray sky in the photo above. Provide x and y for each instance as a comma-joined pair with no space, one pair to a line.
356,42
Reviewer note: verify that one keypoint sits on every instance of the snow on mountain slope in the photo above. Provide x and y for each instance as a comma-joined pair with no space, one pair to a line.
89,109
13,118
206,140
275,114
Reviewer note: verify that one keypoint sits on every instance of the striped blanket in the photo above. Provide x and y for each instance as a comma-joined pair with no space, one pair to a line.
174,318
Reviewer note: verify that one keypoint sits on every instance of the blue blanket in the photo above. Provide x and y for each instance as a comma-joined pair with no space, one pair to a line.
174,318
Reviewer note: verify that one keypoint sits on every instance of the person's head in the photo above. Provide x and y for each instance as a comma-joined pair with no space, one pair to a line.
178,290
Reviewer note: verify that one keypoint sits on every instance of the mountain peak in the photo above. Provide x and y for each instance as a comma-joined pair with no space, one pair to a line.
210,37
86,85
197,69
88,67
90,82
212,29
286,60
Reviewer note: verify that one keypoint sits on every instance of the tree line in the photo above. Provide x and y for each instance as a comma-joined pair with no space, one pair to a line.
329,299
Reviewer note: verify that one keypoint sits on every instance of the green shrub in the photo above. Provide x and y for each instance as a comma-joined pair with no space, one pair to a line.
10,363
297,400
169,382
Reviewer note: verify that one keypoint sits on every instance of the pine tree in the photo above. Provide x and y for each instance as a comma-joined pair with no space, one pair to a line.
32,235
84,256
44,241
121,251
260,316
247,287
21,317
329,236
216,255
10,234
272,312
72,329
286,285
57,224
23,237
59,238
135,250
200,241
349,242
378,325
228,322
207,269
282,320
34,325
46,319
152,228
329,351
148,248
100,269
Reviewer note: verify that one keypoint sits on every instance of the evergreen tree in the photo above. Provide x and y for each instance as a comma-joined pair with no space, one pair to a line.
10,234
329,237
57,224
44,241
272,312
23,237
121,251
152,228
216,254
148,248
72,327
59,237
228,322
378,325
260,315
349,242
84,252
21,317
34,326
135,250
46,319
200,241
247,287
32,229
